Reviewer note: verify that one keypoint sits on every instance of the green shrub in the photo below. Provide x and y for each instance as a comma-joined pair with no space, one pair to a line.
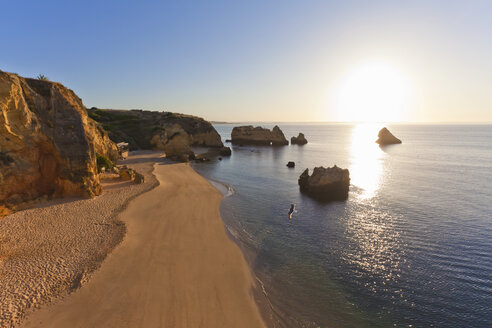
42,77
103,161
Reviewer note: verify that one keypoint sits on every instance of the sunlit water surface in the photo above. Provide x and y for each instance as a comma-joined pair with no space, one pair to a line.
412,245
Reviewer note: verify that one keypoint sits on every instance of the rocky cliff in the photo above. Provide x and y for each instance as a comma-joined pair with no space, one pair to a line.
48,144
249,135
174,133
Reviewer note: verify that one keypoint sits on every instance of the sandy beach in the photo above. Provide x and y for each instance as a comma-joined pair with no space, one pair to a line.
175,267
52,249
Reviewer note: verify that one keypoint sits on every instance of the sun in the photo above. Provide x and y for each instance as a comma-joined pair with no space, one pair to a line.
375,92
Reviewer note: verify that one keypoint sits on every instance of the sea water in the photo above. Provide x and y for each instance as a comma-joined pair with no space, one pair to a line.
410,247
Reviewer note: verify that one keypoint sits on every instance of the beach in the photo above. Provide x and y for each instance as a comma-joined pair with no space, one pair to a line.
175,267
50,250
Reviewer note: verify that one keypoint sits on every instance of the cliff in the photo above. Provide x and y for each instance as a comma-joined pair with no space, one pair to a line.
174,133
48,144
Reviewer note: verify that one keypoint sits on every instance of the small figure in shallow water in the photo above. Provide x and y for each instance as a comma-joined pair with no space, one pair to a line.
292,210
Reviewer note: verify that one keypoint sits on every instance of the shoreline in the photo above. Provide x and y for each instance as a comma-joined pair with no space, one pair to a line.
200,254
265,306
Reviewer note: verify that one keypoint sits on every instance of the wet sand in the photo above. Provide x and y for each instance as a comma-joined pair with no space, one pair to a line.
176,267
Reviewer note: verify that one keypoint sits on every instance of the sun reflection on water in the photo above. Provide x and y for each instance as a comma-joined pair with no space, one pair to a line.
376,247
366,157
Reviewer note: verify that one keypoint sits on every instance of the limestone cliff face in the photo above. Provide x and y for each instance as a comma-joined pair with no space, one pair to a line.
171,132
249,135
48,144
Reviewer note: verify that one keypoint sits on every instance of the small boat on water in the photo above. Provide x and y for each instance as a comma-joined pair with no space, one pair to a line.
292,210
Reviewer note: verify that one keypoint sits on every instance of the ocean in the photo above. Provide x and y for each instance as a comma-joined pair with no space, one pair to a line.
410,247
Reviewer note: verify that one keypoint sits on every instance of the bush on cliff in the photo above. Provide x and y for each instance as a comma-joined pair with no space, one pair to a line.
103,161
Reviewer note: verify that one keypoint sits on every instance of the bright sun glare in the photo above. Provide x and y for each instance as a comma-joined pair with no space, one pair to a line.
376,92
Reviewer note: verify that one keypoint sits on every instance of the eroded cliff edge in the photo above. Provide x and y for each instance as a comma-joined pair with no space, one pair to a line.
48,143
174,133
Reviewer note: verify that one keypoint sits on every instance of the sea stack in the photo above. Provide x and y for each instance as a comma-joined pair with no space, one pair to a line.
249,135
385,137
325,184
299,140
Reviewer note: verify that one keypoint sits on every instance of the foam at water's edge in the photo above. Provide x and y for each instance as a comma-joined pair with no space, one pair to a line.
225,189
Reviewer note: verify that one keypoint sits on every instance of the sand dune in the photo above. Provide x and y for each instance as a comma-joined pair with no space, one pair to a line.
175,267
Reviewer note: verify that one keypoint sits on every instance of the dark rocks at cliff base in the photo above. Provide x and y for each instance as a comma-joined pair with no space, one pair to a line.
326,183
48,144
139,178
129,174
249,135
291,164
385,137
299,140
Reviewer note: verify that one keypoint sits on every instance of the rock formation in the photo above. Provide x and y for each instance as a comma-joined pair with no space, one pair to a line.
249,135
225,151
126,173
48,144
299,140
326,183
278,137
291,164
385,137
171,132
139,178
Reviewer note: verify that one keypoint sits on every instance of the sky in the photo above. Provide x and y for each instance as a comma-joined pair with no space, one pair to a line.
282,61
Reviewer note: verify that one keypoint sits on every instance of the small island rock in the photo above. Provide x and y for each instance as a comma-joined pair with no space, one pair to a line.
225,151
291,164
278,137
385,137
326,183
299,140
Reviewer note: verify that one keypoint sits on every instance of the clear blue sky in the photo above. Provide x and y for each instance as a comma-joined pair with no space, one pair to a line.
254,60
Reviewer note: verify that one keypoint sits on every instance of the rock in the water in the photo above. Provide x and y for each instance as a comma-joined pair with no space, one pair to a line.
225,151
385,137
278,137
249,135
201,158
291,164
299,140
228,140
48,144
326,183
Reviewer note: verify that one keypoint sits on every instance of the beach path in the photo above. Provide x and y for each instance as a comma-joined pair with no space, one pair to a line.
176,267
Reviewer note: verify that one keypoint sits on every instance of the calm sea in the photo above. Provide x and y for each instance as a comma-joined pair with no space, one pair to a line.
411,247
